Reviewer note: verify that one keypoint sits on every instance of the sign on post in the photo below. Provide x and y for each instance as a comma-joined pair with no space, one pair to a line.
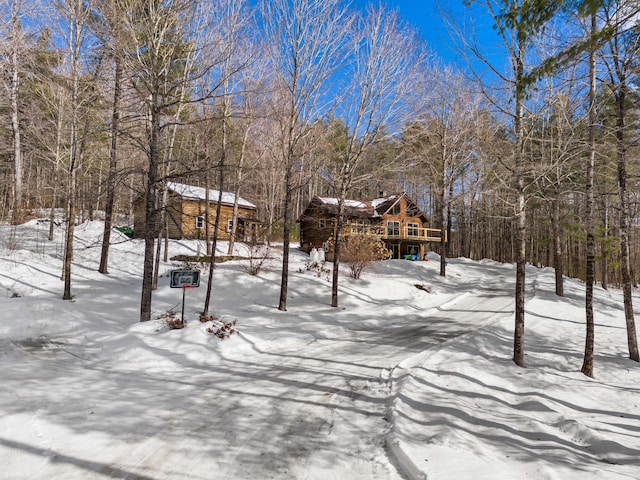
184,279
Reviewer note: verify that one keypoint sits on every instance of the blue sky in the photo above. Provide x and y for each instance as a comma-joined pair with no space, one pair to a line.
425,16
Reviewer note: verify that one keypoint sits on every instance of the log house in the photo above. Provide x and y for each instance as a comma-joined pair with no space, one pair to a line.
185,212
395,219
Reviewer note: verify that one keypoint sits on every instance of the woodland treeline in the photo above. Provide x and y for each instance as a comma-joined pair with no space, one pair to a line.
529,158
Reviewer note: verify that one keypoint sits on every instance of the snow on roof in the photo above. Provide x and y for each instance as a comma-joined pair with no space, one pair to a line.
199,193
375,203
347,203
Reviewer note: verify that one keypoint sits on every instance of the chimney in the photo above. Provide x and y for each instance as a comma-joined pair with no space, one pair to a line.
382,194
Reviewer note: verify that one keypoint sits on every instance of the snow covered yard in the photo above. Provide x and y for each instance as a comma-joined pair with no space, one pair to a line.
365,391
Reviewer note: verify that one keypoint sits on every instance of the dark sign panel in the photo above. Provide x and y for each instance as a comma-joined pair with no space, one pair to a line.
185,278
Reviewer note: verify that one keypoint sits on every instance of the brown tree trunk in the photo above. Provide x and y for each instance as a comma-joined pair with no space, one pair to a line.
604,253
587,364
625,266
286,233
113,165
151,204
558,263
337,231
521,217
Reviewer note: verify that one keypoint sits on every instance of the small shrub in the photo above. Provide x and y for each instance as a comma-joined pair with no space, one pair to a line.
207,318
258,257
222,329
319,270
219,328
358,251
171,320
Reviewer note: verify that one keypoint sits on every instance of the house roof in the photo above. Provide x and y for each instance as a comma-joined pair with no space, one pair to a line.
199,193
359,209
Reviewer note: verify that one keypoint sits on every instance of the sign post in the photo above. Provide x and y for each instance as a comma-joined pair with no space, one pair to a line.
184,279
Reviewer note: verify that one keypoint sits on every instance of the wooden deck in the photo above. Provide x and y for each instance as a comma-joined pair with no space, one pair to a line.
395,233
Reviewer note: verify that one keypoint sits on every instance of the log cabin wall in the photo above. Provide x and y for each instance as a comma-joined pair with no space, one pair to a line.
316,227
182,215
405,237
192,209
406,214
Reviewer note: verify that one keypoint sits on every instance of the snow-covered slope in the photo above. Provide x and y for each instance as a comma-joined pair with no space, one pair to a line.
410,377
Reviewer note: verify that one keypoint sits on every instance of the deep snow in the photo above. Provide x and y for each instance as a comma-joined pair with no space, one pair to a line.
399,382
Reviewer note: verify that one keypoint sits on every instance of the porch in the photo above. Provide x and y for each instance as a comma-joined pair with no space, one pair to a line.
395,232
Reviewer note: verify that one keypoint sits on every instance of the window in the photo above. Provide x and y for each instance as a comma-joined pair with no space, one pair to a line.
322,223
413,229
199,221
361,226
396,209
395,251
229,225
413,249
393,228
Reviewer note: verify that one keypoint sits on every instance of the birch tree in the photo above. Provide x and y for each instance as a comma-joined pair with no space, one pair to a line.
587,364
14,55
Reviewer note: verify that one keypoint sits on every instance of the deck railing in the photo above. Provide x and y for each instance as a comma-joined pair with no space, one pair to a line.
400,233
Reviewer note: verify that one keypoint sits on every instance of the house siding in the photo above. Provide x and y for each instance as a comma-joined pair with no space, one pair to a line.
371,218
181,218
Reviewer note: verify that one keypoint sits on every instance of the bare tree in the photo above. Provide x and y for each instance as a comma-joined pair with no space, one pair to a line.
172,45
14,51
442,140
233,27
306,39
587,364
378,99
158,35
518,22
76,15
109,30
621,60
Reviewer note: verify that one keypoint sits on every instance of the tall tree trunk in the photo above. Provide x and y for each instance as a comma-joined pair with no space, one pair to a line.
56,169
74,51
521,217
604,246
558,259
337,231
286,232
221,178
587,364
446,247
443,214
236,199
151,203
113,165
207,207
214,240
17,144
625,265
